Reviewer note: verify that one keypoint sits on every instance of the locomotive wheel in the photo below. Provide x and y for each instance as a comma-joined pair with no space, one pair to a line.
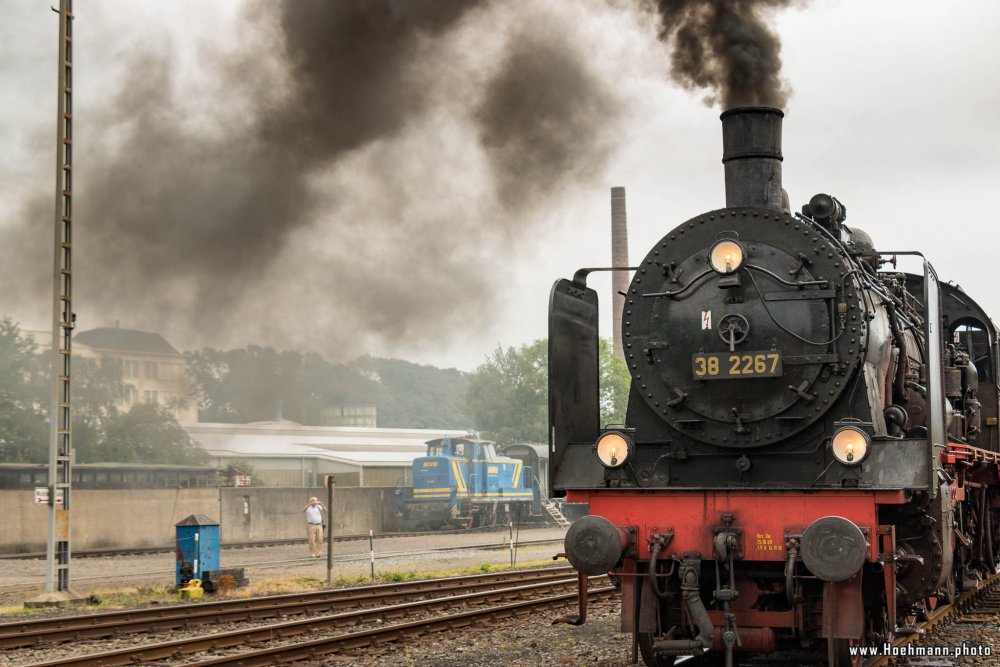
646,649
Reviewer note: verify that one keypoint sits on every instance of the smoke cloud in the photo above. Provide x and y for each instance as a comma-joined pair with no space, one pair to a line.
342,197
726,47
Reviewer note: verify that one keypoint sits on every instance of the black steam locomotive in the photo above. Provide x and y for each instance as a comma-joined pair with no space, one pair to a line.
810,450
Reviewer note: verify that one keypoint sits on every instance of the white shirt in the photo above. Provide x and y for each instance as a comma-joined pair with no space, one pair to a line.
314,513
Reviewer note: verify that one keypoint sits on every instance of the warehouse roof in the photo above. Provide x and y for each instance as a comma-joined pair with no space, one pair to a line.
372,447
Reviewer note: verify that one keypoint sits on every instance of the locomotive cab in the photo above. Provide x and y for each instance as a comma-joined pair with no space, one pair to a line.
463,483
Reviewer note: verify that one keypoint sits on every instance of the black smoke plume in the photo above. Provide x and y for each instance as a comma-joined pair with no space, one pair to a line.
540,118
249,228
725,46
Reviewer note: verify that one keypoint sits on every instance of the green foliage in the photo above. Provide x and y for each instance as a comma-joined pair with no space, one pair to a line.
24,434
148,434
255,383
508,394
417,396
23,428
239,467
98,389
101,432
98,392
615,381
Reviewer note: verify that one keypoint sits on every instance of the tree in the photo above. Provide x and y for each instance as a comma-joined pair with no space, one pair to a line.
240,469
417,396
259,383
508,393
98,392
101,433
23,397
615,381
148,434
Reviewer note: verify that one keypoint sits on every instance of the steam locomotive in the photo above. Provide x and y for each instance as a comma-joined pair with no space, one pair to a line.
810,454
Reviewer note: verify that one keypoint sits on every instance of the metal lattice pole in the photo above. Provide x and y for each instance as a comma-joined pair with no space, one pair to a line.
60,442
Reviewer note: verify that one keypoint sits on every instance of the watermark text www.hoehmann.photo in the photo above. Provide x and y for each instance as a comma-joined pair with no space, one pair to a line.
911,650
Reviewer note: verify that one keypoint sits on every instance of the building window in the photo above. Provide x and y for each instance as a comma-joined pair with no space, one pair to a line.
131,394
130,368
152,370
152,396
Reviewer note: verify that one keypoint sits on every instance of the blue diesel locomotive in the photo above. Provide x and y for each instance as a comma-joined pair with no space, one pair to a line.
464,483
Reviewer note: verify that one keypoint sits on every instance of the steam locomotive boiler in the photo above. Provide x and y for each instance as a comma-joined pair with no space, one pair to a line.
810,450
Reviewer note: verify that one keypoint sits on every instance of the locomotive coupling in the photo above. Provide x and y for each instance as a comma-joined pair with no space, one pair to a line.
594,545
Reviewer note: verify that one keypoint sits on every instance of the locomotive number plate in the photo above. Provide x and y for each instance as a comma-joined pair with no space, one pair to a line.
736,365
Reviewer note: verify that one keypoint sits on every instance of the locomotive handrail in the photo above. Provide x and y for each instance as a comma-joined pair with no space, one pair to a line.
580,277
683,289
763,301
916,253
801,283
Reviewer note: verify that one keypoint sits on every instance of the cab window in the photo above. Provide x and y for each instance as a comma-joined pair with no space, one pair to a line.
975,339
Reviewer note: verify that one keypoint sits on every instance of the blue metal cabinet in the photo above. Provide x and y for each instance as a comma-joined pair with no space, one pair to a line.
197,548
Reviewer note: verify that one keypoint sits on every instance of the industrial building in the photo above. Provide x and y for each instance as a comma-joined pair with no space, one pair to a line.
287,454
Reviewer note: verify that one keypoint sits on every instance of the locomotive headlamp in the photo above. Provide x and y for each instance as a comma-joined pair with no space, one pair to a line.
613,449
850,445
726,256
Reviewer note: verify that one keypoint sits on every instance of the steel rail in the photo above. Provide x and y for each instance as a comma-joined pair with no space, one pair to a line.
223,640
317,647
92,626
961,606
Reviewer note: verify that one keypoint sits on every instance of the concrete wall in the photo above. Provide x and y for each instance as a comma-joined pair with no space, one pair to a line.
142,517
265,513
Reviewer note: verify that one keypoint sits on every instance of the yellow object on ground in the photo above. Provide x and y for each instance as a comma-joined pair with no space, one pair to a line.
193,590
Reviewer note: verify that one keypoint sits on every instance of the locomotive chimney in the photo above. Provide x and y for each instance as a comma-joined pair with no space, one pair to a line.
619,257
751,153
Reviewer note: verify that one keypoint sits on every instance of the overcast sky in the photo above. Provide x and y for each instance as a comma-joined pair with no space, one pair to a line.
434,238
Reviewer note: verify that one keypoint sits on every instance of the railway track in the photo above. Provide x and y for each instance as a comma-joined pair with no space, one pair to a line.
361,616
964,619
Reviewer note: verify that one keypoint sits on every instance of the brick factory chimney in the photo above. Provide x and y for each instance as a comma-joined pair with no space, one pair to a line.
619,257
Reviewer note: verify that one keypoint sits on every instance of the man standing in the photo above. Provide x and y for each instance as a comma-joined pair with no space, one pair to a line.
314,524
